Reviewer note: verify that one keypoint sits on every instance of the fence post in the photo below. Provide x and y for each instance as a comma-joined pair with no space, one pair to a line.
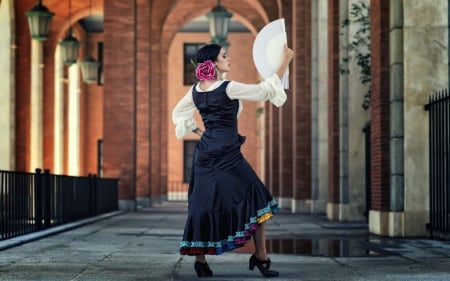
94,194
38,199
368,188
47,198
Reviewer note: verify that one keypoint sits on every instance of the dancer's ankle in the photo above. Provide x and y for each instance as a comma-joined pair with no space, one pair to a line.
200,258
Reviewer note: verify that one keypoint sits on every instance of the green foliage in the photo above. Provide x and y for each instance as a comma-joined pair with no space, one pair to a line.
259,112
359,46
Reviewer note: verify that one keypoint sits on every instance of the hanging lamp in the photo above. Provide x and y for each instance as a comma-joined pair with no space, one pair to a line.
69,45
39,21
89,66
219,22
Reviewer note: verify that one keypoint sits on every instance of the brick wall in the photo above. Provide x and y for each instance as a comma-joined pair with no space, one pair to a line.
302,98
143,74
379,105
120,90
288,120
22,87
333,101
93,115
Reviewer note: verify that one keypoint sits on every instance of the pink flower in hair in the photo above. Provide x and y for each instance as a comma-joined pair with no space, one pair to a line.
206,71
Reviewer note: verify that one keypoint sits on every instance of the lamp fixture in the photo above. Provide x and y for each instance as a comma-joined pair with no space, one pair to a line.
89,70
69,45
39,21
89,66
219,22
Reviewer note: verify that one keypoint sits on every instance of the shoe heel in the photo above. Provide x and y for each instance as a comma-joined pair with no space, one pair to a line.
251,266
263,266
202,269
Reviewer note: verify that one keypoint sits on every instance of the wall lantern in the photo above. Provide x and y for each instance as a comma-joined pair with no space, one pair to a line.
89,67
89,70
219,22
69,48
69,45
39,21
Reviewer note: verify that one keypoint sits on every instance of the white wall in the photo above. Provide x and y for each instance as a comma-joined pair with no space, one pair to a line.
425,50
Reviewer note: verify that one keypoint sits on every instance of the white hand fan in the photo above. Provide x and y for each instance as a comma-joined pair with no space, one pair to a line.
268,49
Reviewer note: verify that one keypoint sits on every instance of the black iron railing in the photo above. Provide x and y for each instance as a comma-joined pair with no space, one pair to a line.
31,202
439,126
177,191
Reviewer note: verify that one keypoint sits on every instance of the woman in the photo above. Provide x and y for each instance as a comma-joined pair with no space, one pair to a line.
228,203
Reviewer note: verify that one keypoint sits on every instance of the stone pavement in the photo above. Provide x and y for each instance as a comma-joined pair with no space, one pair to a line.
143,245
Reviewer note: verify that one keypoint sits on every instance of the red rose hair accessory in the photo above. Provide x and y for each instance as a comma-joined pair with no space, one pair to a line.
206,71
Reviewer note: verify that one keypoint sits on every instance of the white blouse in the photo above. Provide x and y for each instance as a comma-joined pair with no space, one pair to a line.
270,89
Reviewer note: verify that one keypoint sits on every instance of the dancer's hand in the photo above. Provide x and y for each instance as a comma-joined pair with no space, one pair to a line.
287,56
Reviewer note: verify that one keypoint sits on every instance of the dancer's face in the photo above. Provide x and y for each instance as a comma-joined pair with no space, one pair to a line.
223,61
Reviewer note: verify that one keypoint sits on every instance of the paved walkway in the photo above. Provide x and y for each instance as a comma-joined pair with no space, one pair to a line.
143,246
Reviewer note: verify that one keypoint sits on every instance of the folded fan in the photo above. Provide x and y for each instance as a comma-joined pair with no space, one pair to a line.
268,49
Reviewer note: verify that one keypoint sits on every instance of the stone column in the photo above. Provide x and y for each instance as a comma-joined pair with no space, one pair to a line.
36,106
7,106
396,118
73,123
58,134
319,191
343,115
314,104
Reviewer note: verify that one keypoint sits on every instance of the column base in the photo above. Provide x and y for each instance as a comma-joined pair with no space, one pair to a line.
127,205
398,224
344,212
143,202
318,206
284,202
301,206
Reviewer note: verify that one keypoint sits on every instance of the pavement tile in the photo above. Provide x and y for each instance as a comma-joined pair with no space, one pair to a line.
143,245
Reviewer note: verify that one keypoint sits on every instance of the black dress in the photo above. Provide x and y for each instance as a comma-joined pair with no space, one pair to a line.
227,200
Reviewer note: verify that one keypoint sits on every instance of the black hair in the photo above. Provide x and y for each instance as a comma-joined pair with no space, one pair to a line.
208,52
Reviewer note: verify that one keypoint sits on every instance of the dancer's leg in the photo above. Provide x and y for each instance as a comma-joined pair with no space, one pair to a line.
260,242
201,267
200,258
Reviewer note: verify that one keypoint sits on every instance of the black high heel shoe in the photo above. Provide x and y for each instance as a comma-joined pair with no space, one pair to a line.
202,269
263,266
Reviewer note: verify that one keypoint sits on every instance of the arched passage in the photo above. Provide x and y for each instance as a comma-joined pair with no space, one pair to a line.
251,15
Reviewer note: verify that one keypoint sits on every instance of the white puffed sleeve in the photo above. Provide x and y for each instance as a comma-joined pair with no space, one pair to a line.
183,116
270,89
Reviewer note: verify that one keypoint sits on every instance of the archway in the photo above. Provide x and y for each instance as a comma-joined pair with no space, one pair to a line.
191,35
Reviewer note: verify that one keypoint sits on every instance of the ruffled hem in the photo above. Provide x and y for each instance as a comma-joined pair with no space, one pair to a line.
234,241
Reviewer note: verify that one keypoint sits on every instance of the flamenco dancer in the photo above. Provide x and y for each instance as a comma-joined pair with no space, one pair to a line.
228,203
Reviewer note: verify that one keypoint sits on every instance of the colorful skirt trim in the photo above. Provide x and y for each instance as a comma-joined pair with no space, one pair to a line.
239,239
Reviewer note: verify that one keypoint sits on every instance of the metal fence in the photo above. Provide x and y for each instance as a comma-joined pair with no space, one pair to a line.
178,191
439,141
31,202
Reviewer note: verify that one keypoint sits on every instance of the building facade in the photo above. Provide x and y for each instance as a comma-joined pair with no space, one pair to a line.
325,151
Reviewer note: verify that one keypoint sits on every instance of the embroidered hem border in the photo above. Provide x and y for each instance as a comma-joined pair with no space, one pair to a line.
233,242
